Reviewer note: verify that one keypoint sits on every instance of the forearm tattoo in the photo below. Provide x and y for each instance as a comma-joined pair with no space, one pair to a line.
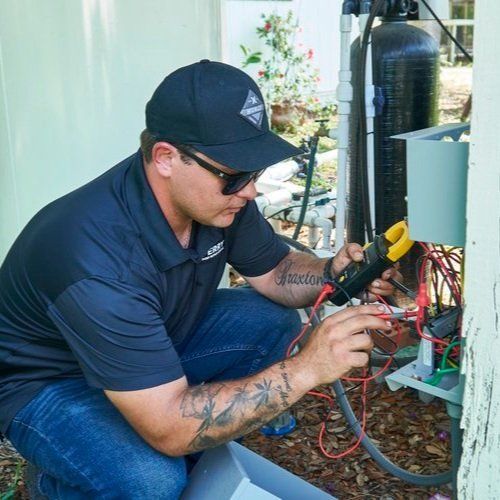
284,389
285,277
248,407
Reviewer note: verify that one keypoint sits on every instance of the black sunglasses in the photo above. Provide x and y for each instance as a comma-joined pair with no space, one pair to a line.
234,182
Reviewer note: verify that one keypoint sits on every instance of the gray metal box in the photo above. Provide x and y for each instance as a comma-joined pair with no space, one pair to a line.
437,164
234,472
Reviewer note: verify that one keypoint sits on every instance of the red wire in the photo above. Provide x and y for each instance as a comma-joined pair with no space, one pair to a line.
434,340
430,254
450,282
375,375
358,441
325,291
450,279
321,395
297,339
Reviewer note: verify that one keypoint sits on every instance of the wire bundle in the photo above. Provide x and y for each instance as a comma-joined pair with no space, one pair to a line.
440,287
343,402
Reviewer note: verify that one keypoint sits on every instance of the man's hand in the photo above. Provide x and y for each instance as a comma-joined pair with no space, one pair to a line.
177,419
354,252
339,343
381,286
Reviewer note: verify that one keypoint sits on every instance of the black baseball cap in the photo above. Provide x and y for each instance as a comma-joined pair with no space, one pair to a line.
219,111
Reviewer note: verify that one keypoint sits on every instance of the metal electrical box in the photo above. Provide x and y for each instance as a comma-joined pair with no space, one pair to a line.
234,472
437,162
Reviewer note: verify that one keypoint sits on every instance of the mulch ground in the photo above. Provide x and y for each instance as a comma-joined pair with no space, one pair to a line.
11,473
412,434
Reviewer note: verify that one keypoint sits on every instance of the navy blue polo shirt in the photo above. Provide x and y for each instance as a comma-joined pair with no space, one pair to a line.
98,285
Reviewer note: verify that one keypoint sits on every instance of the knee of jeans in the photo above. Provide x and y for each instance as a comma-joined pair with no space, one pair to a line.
285,327
288,324
165,480
293,321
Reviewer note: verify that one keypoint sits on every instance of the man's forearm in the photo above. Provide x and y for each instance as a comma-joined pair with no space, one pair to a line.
212,414
297,280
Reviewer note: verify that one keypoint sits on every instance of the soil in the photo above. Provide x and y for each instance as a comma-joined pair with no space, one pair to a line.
412,434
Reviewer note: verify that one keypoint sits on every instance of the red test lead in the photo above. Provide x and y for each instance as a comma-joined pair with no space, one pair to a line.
398,315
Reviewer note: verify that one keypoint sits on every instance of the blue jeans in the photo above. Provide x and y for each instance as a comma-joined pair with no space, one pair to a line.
85,449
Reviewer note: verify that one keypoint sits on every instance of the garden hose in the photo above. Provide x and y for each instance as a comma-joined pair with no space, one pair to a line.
307,189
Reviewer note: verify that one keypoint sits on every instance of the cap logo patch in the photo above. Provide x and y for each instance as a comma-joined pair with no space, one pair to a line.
253,110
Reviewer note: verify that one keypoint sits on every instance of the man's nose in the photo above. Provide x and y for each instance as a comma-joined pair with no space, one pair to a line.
249,192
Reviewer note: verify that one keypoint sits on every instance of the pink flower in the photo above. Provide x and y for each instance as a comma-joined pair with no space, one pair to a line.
310,54
261,73
267,26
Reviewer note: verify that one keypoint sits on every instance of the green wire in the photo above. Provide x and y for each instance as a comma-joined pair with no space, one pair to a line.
447,352
440,373
442,370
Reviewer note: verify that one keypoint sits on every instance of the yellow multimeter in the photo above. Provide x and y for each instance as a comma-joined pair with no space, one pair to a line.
385,250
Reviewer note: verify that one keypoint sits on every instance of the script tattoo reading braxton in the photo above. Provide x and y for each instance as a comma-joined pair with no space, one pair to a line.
285,277
253,404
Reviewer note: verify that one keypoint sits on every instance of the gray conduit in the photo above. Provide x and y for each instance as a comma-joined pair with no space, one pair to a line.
377,455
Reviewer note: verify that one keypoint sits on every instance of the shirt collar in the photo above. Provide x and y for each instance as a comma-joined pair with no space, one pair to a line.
154,227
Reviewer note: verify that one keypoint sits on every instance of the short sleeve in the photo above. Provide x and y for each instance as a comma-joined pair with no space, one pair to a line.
116,334
255,248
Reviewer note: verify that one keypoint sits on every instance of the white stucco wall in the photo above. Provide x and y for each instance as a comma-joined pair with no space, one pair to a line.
479,475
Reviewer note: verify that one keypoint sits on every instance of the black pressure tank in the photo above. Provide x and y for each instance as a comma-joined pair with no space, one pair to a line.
406,72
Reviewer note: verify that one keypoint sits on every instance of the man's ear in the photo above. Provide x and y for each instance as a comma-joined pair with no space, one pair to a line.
162,156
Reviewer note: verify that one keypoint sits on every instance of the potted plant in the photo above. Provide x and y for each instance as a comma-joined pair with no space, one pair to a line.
286,75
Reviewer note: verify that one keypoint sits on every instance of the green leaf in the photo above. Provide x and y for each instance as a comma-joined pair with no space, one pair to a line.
254,58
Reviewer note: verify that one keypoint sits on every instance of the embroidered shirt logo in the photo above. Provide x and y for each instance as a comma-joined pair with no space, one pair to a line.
215,250
253,110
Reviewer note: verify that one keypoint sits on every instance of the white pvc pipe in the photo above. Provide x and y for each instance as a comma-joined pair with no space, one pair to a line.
285,170
282,171
344,99
312,236
280,196
370,147
315,217
293,215
326,227
267,186
276,225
